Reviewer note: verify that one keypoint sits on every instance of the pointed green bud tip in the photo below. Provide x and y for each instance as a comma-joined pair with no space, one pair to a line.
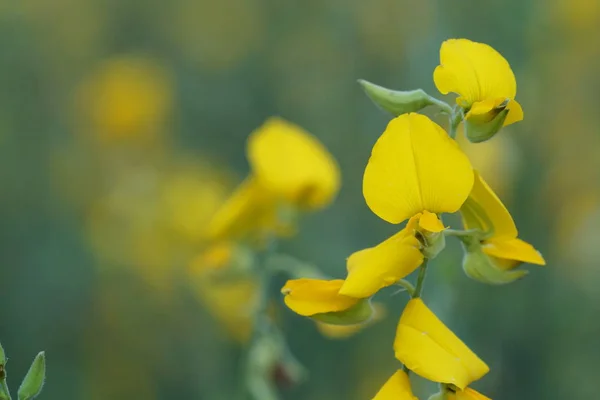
2,356
482,128
483,268
394,101
359,313
34,380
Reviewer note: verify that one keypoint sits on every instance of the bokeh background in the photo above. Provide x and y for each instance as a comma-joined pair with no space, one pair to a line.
123,127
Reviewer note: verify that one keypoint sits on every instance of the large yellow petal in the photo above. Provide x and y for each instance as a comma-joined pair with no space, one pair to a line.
396,388
294,164
428,348
372,269
475,71
415,166
249,208
467,394
513,249
484,210
309,297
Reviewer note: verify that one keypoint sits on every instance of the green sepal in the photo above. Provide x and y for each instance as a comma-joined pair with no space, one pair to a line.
357,314
481,267
435,242
480,129
396,102
34,380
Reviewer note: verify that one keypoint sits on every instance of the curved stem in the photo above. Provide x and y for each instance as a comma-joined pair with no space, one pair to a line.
445,107
456,118
420,280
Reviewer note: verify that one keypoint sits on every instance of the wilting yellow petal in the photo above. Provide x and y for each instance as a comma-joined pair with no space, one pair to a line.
513,249
483,208
515,113
467,394
251,207
430,222
415,166
308,297
396,388
475,71
293,164
427,347
372,269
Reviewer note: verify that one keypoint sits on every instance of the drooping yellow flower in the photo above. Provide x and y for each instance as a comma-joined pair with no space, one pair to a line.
396,388
293,164
428,348
483,210
290,169
481,77
415,167
321,299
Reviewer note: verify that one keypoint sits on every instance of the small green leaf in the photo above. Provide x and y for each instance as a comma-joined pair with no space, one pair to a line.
34,380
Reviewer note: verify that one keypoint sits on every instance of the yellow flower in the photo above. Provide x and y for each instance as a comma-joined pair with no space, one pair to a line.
321,300
467,394
481,77
483,210
396,388
415,167
293,164
427,347
290,169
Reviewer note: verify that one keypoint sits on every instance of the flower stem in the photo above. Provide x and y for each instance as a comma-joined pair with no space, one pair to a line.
456,118
420,280
445,107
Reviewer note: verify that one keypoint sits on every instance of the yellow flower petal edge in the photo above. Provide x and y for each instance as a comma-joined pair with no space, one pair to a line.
484,207
294,164
372,269
427,347
396,388
478,74
513,249
467,394
308,297
430,222
414,167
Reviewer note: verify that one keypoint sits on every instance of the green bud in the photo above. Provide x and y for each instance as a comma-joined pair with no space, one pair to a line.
357,314
481,128
483,268
395,101
435,242
34,380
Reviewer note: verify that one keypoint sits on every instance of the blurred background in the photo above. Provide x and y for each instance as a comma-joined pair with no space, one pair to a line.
123,127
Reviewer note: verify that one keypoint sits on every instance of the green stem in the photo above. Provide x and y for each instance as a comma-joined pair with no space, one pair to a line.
459,233
261,319
456,117
445,107
420,280
406,285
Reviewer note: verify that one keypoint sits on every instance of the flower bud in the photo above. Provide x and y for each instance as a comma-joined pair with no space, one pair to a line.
357,314
395,101
435,242
34,380
480,128
484,268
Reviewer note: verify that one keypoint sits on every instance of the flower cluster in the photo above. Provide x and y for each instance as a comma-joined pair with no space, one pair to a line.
417,173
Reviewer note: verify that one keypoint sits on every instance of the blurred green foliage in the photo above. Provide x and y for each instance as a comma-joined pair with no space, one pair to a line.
123,126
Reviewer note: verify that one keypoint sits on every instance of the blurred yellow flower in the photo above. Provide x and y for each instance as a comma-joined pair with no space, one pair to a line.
396,388
481,77
127,97
483,210
428,348
290,169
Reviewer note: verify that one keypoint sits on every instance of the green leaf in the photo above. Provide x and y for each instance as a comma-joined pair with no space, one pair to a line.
34,380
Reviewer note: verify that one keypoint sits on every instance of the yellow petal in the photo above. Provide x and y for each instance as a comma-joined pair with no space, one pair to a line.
372,269
428,348
475,71
513,249
293,164
415,166
309,297
515,113
250,207
396,388
467,394
484,210
430,222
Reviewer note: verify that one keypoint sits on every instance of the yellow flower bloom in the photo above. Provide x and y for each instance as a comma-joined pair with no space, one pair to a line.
427,347
483,210
415,167
320,299
481,77
467,394
396,388
293,164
